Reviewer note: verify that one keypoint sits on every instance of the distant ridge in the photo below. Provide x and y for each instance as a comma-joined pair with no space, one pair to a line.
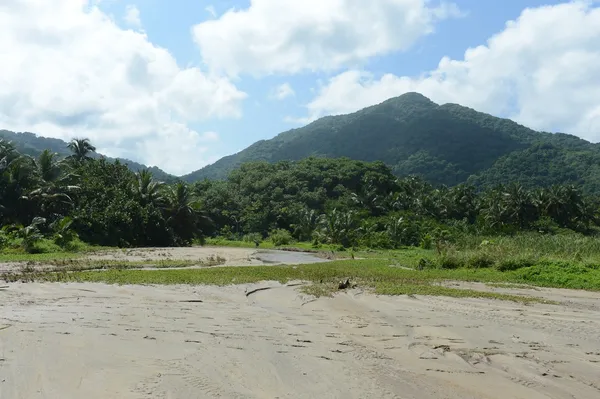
447,144
31,144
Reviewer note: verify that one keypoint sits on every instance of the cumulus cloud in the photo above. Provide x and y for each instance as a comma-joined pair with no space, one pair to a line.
68,70
542,70
132,16
283,91
180,141
291,36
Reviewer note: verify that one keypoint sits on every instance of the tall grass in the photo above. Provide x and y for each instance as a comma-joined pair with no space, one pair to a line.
565,246
517,252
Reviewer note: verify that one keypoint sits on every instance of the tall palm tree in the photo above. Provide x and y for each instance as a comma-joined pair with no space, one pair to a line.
17,177
51,192
147,190
183,211
81,149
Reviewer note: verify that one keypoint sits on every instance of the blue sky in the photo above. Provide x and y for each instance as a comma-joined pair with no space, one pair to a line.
237,51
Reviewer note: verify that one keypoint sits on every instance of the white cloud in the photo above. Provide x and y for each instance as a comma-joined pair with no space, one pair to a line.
543,70
68,70
132,16
177,140
290,36
283,91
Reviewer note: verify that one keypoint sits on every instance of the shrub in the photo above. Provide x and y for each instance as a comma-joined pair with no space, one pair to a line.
255,238
515,263
480,261
449,262
44,246
377,239
426,241
3,240
280,237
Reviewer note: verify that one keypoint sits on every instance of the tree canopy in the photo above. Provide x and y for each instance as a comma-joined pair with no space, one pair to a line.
335,201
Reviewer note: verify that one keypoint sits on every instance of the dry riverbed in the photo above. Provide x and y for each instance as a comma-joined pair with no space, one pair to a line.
101,341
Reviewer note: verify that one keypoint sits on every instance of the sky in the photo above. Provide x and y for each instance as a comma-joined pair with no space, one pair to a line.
179,84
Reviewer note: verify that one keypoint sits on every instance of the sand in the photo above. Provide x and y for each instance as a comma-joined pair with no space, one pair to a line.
204,256
100,341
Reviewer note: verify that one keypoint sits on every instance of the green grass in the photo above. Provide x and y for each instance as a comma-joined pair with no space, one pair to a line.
569,261
307,246
374,274
43,257
221,242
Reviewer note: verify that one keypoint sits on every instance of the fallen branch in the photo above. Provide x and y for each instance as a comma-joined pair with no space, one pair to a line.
257,290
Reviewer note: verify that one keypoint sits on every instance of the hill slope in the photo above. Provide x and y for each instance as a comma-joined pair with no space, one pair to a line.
33,145
447,144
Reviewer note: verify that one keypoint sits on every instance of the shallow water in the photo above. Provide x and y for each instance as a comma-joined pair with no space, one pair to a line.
288,257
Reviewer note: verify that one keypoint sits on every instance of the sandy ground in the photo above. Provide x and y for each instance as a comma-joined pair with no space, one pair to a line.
203,255
100,341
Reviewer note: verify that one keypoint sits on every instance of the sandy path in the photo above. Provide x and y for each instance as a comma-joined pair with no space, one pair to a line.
99,341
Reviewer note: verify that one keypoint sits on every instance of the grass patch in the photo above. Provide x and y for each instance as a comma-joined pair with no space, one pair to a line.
300,246
221,242
43,257
43,270
436,290
375,274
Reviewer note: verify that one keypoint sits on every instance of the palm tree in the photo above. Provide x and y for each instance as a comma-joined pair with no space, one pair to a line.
16,179
338,227
368,198
519,205
306,223
48,168
81,148
183,211
147,190
51,192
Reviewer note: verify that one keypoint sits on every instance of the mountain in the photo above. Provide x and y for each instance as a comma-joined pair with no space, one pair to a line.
33,145
447,144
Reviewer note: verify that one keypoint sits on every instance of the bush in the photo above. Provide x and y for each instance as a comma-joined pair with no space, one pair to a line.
480,261
426,241
3,240
515,263
255,238
378,239
449,262
280,237
44,246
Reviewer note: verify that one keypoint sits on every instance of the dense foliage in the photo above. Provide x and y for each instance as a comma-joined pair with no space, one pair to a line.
355,203
102,202
340,202
447,144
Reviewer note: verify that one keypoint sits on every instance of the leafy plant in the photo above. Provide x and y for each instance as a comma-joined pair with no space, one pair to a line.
64,235
280,237
31,234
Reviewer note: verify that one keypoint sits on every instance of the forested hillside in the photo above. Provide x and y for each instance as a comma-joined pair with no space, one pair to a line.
33,145
448,144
